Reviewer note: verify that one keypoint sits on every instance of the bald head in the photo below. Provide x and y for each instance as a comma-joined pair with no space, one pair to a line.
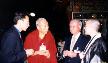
95,24
92,25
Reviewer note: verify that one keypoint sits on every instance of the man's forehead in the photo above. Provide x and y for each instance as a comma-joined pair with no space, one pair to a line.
26,17
74,22
89,22
43,21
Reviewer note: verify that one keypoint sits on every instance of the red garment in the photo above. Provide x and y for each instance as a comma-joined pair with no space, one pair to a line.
33,41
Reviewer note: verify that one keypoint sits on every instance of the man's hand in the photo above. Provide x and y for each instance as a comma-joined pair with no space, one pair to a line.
29,52
65,53
72,54
38,53
82,55
45,53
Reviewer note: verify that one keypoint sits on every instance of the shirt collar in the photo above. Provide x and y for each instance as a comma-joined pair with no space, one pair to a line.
17,30
77,35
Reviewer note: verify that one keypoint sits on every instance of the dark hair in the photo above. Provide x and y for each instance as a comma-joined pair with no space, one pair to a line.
19,16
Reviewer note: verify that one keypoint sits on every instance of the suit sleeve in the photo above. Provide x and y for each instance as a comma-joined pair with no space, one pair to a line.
9,50
66,45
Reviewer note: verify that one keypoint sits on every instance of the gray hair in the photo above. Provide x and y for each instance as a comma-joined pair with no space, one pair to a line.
39,20
77,20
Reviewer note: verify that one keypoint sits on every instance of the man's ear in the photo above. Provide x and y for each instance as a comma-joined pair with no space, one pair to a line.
37,27
19,22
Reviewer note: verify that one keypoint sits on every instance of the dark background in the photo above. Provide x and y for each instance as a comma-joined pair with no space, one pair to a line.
48,9
55,11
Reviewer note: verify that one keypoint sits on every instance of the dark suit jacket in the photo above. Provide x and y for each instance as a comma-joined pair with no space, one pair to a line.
11,48
81,43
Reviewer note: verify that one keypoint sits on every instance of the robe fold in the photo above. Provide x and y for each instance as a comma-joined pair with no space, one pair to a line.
33,41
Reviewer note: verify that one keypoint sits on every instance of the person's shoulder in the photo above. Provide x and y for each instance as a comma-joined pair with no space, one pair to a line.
49,33
101,42
85,37
68,37
32,32
10,30
100,39
9,34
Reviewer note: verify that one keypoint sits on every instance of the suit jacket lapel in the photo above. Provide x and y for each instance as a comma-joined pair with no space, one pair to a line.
77,43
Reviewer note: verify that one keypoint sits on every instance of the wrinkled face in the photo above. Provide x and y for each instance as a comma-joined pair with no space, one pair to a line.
74,27
43,27
88,28
25,23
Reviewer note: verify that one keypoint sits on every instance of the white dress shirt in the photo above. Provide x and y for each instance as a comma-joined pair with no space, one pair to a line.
74,40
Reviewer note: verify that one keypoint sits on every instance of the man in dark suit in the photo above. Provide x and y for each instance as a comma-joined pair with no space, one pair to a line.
11,48
74,43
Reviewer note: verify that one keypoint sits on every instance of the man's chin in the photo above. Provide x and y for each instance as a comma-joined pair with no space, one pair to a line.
24,29
46,32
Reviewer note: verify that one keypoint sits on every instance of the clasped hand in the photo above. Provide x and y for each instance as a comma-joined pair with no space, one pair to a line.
69,53
44,52
82,55
31,52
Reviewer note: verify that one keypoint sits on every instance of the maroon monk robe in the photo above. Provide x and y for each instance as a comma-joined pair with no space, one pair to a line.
33,41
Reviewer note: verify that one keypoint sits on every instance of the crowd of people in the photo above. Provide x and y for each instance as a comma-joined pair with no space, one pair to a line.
39,45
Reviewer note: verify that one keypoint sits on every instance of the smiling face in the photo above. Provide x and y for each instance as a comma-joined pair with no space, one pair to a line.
25,23
42,26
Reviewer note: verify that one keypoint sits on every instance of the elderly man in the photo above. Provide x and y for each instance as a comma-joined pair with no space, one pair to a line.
75,43
42,41
95,49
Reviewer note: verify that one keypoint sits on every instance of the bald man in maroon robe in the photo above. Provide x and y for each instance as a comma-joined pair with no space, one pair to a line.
42,41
